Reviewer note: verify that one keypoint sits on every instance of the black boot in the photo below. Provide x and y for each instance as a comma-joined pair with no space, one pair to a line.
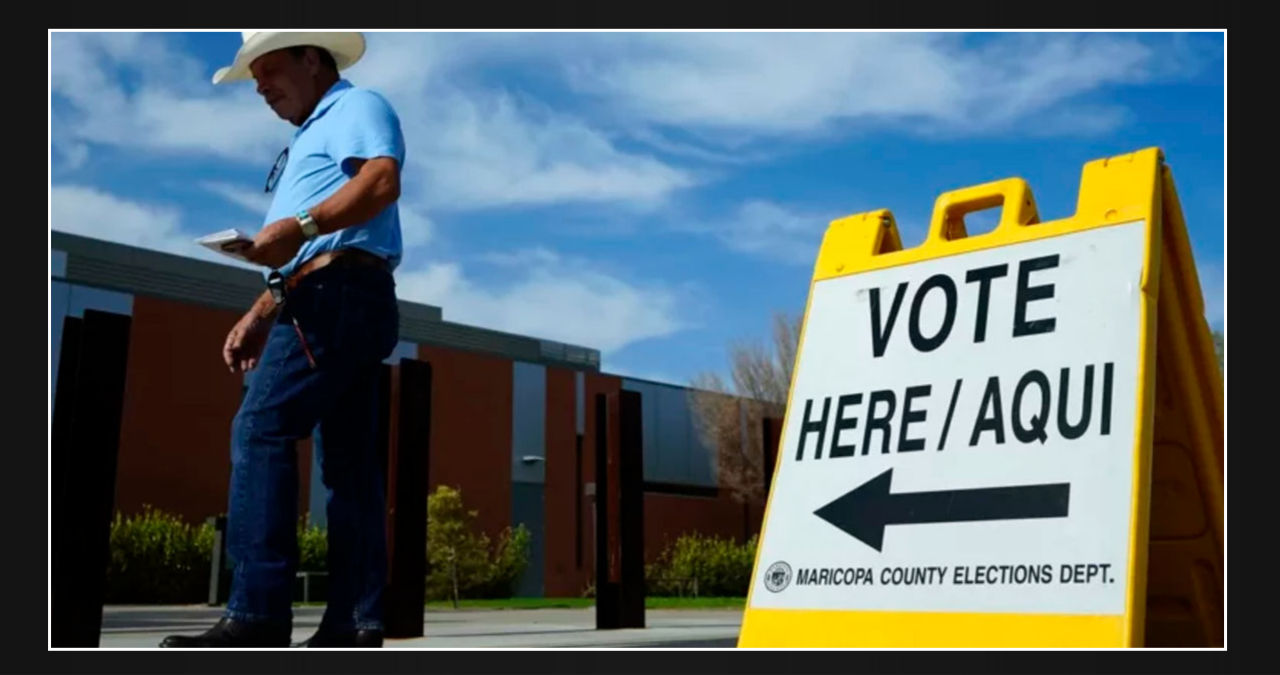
363,638
232,633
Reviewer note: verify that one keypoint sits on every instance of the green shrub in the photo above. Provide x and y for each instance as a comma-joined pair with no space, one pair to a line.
703,566
509,561
461,562
158,558
313,548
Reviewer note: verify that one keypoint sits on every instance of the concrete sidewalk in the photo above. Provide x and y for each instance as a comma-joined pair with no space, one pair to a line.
132,627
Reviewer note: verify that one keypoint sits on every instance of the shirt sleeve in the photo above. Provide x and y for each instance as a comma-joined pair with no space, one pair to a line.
369,129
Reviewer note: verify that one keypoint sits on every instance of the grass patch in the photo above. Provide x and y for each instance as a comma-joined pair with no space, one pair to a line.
577,603
695,603
514,603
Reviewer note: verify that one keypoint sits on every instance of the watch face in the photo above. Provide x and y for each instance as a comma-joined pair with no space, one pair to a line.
308,224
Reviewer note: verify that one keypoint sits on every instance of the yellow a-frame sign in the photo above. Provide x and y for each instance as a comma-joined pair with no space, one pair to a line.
1012,439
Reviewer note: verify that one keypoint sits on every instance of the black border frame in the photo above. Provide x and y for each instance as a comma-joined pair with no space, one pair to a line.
1251,600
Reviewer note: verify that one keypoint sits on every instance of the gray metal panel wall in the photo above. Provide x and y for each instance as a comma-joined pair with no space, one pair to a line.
655,453
528,509
673,453
529,466
579,403
702,457
57,263
528,423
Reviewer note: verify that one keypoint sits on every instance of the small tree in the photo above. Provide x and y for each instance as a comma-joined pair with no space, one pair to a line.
728,418
455,553
460,558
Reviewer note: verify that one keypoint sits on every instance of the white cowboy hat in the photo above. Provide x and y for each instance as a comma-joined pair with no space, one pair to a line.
346,48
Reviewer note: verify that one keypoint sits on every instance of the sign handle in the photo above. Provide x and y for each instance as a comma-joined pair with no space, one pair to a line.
1019,208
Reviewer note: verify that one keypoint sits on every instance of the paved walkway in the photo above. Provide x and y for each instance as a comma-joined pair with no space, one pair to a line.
132,627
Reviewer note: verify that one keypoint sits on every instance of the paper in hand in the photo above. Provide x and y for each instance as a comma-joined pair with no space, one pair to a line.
227,242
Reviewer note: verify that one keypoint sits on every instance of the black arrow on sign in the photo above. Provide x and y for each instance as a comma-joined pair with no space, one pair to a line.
865,511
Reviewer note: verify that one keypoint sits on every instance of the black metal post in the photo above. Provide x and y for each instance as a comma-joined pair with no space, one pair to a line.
406,587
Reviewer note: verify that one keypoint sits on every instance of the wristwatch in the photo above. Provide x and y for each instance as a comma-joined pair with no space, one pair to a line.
308,224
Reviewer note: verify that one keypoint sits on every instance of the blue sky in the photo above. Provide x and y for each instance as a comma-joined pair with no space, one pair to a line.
652,195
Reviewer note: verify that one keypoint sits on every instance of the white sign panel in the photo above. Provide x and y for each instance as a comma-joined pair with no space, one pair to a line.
961,435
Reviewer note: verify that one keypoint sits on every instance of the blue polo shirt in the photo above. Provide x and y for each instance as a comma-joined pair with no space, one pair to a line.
349,123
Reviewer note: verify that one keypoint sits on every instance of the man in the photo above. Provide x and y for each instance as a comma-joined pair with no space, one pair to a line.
333,235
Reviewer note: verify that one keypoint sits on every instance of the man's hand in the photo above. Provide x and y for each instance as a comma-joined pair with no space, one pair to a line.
245,341
276,244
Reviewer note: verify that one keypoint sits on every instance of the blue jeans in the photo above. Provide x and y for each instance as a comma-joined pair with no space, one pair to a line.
351,323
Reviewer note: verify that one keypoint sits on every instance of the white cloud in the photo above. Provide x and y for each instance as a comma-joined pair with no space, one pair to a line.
555,299
478,147
474,145
524,258
663,143
466,148
238,127
91,212
74,155
416,227
470,147
476,150
94,213
789,83
136,90
767,230
254,201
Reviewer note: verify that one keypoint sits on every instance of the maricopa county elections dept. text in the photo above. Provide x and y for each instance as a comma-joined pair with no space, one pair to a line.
1043,573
